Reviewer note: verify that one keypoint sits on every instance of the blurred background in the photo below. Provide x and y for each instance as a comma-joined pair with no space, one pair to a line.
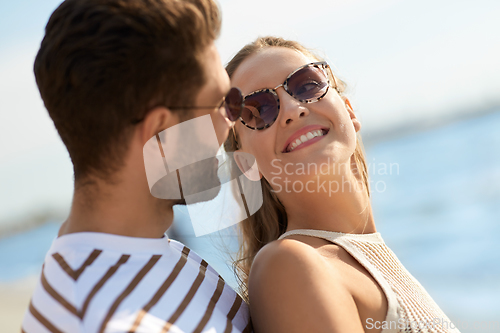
423,76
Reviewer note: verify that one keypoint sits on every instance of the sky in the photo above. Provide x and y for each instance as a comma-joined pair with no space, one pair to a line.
404,62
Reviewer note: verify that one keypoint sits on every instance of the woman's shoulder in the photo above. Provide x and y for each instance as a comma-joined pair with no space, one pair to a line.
288,281
294,260
297,251
290,249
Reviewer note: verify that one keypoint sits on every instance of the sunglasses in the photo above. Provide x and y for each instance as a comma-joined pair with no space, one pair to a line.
232,103
307,84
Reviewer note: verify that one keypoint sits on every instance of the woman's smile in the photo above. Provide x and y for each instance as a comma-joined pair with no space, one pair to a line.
304,137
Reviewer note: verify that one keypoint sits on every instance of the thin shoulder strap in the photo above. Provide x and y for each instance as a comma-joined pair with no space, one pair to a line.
332,235
314,233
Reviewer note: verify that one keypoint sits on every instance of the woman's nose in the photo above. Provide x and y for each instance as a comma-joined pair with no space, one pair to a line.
290,109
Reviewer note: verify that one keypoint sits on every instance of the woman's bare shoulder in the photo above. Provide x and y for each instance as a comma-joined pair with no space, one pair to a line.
296,254
287,253
292,288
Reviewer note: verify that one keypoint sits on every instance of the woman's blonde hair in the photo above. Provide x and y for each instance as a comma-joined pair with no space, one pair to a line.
270,221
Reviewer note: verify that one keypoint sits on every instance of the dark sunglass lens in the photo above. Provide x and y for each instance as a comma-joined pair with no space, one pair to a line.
307,84
260,110
234,104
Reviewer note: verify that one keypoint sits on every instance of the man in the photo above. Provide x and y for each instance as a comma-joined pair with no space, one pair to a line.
113,74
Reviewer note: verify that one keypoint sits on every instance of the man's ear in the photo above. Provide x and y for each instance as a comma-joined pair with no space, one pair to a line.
157,120
247,164
355,120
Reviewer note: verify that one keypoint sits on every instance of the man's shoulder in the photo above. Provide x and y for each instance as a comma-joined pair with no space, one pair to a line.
194,258
88,288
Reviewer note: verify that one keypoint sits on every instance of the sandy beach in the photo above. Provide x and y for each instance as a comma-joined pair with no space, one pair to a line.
14,300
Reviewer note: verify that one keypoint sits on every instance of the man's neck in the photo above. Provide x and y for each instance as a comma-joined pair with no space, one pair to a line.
125,209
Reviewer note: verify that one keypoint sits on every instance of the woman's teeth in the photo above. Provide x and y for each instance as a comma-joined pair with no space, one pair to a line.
304,138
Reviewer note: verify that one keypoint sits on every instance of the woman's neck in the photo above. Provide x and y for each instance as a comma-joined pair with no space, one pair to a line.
347,209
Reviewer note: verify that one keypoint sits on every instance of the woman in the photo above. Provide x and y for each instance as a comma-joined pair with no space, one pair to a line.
311,258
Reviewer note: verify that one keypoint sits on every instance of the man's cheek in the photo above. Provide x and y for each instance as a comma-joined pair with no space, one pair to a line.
221,126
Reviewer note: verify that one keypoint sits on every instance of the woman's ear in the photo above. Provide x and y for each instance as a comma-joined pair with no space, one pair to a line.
247,164
355,120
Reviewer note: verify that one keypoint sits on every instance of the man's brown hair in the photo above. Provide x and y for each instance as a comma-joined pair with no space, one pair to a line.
104,63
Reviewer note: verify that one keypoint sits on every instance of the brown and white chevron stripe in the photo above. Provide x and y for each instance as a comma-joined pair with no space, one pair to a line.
150,295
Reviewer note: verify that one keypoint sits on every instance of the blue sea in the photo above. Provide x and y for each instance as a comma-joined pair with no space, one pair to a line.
436,201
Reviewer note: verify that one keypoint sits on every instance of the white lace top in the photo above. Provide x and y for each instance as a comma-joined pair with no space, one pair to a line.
410,308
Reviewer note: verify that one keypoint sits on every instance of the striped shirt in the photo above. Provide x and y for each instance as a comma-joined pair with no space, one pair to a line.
96,282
